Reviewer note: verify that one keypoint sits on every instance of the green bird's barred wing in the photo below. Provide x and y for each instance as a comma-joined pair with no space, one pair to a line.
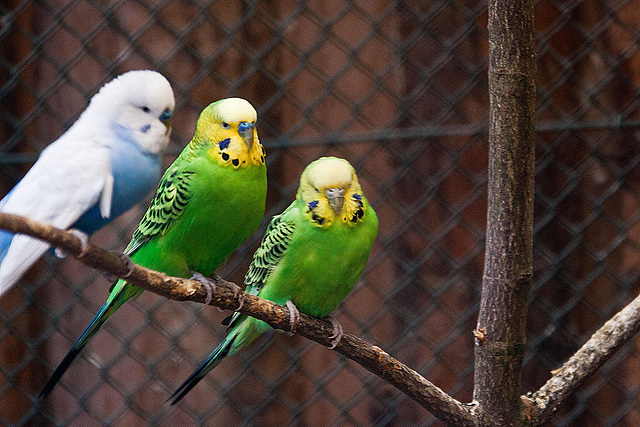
167,205
272,248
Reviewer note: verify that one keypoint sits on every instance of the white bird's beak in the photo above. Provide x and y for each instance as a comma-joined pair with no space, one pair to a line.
165,118
335,196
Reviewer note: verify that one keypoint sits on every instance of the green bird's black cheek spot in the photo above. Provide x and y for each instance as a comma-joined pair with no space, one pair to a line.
225,157
317,218
235,162
360,213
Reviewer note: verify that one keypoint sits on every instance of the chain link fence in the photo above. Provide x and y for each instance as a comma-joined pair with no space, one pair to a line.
400,89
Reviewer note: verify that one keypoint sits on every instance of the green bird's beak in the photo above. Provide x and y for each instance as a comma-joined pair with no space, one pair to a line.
335,196
245,129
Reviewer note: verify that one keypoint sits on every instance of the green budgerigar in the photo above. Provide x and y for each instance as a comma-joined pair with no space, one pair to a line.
208,202
309,259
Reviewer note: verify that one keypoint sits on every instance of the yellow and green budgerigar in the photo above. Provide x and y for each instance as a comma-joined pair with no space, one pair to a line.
208,202
310,257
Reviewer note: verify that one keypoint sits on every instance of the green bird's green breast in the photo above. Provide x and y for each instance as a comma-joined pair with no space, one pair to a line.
320,266
225,205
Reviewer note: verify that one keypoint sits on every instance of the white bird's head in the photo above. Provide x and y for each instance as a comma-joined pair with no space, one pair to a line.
138,105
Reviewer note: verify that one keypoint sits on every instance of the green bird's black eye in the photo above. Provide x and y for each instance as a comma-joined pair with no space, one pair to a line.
225,125
145,109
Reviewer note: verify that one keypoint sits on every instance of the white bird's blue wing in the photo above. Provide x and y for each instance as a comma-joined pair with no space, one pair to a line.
65,182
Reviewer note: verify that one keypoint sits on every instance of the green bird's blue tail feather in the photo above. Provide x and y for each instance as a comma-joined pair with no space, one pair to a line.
212,361
244,331
93,327
116,299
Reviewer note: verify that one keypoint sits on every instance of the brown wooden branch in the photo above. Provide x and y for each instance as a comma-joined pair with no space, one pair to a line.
501,330
368,356
542,404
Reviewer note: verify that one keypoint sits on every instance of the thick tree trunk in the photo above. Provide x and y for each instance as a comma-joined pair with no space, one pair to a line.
508,257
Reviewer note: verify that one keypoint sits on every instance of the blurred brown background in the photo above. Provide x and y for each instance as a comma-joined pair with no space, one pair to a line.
399,88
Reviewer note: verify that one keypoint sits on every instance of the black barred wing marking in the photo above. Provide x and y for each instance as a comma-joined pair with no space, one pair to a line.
272,248
167,205
274,244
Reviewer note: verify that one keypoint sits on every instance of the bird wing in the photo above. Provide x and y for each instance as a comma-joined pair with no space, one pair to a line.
107,196
167,205
272,248
67,180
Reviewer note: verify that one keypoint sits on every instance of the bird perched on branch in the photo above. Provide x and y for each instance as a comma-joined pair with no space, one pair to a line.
309,259
105,163
208,202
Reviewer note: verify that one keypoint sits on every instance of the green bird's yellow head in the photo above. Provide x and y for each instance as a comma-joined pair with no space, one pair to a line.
227,130
331,192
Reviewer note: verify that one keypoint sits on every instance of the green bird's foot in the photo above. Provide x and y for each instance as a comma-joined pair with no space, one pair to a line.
209,285
84,244
128,263
126,259
294,315
337,333
235,289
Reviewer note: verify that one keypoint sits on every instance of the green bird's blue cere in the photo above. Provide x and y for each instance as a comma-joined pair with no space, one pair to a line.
245,126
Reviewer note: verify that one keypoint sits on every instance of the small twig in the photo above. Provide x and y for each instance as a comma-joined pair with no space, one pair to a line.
542,404
226,296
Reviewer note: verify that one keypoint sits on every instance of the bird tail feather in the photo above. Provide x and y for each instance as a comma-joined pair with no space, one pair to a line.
211,362
245,331
5,241
115,301
20,254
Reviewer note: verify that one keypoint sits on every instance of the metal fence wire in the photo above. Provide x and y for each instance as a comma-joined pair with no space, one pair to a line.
400,89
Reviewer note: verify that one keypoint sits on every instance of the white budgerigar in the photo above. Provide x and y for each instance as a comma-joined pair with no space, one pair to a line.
106,162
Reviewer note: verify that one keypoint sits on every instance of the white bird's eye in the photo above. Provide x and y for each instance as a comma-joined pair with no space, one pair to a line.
145,109
225,125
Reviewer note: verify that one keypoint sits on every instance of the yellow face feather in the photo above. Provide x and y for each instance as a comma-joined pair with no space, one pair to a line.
331,192
228,128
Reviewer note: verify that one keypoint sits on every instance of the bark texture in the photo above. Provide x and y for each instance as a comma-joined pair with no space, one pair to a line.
500,334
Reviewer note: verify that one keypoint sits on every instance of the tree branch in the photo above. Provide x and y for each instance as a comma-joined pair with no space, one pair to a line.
501,330
542,404
370,357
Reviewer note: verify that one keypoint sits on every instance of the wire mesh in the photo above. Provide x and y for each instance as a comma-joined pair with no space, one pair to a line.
397,87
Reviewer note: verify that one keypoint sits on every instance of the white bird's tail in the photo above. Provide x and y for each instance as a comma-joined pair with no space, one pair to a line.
22,253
